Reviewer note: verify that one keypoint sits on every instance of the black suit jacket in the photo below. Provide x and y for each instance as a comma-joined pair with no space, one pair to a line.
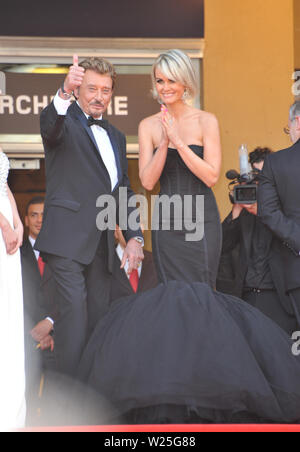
239,233
75,177
121,287
38,292
279,209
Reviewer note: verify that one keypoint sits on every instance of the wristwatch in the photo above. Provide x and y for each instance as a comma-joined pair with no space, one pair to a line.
140,240
66,95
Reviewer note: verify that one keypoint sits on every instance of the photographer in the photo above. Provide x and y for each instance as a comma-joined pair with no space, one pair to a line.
279,210
257,276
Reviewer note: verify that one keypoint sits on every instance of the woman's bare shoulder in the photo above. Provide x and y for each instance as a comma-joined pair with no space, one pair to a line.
206,120
151,121
203,115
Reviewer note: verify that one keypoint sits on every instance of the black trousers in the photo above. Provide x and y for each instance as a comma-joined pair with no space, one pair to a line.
83,297
269,303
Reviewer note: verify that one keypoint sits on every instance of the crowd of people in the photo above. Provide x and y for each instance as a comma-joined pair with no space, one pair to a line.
148,332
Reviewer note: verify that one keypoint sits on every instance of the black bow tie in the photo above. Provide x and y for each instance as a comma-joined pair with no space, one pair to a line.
97,122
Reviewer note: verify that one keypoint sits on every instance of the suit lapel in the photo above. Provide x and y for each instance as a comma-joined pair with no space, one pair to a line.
80,116
28,254
116,152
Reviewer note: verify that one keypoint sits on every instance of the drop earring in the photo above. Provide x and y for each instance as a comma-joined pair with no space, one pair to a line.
185,95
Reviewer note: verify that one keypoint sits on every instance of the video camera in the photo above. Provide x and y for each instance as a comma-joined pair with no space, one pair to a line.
245,182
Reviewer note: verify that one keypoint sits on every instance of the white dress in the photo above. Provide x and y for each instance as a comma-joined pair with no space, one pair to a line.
12,373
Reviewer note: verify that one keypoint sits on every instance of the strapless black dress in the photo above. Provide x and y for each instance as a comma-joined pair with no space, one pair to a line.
182,352
189,250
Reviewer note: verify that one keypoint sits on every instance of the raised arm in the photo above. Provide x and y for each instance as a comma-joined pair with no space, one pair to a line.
53,117
207,169
151,164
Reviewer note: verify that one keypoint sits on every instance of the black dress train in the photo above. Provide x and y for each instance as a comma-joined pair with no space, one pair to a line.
184,353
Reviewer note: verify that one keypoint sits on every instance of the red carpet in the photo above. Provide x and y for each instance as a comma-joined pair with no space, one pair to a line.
170,428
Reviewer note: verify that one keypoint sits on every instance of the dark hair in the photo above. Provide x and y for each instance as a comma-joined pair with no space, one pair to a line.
34,201
259,155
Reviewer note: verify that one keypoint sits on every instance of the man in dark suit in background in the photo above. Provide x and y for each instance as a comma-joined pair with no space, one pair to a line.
279,209
85,158
39,308
140,280
257,277
38,284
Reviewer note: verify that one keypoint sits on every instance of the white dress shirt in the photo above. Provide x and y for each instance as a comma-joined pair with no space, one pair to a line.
102,139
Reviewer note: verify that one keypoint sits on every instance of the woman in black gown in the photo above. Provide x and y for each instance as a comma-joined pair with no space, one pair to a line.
183,352
187,162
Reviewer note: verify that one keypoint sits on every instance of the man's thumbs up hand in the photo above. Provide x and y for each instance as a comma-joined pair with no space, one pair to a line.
75,76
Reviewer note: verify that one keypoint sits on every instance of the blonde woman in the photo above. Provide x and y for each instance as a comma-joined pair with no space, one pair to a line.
12,376
183,352
180,147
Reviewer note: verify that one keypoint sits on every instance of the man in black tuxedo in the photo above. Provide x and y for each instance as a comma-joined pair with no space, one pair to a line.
140,280
85,159
258,278
279,209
